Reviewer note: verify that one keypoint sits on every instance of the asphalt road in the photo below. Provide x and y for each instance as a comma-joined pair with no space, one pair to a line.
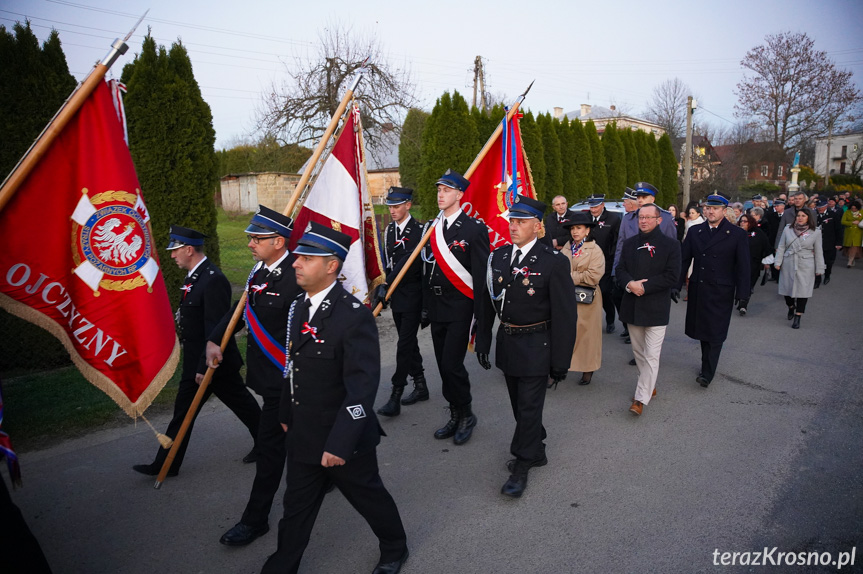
769,456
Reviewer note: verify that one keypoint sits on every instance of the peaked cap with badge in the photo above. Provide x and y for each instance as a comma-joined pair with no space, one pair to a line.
320,240
269,222
183,236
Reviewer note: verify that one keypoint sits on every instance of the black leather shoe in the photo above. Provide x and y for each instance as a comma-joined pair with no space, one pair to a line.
251,457
826,280
632,362
628,341
702,381
610,328
391,567
790,313
466,422
393,407
795,324
153,469
448,429
625,333
243,534
510,464
420,392
516,484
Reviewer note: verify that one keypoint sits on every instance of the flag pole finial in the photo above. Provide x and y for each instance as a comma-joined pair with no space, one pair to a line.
119,47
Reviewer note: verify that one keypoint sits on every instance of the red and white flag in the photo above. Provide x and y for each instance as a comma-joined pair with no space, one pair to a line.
79,259
502,173
340,199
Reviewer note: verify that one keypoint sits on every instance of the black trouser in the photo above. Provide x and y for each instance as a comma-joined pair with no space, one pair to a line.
527,397
606,287
799,303
269,466
829,260
709,359
20,552
409,360
360,483
450,347
229,388
617,296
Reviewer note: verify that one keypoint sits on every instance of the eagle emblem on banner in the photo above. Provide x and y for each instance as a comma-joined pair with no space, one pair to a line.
112,244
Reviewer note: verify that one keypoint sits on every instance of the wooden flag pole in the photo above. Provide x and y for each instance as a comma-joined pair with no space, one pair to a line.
480,156
238,311
61,119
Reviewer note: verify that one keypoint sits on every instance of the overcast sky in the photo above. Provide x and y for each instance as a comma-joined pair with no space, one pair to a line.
578,52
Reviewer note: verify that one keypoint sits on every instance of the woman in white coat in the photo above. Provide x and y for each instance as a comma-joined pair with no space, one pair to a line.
800,256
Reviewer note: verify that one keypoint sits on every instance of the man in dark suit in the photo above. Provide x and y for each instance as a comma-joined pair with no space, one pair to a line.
271,287
630,205
648,271
533,295
326,407
604,232
720,275
772,216
205,300
831,237
555,234
401,236
455,263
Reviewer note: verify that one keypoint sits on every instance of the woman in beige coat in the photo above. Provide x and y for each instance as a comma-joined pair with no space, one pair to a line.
587,265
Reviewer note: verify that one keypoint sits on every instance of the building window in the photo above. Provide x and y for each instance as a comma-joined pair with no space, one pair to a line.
779,171
844,151
842,167
745,172
763,171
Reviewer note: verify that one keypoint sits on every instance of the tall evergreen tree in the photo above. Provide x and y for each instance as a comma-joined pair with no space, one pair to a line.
485,124
600,176
450,141
532,142
553,163
34,82
632,169
653,152
668,168
583,161
410,148
567,158
615,159
645,172
171,138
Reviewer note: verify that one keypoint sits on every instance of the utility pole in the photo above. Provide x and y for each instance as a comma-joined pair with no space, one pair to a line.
687,158
479,84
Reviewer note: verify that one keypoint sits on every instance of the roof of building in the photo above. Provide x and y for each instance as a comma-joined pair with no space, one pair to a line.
603,113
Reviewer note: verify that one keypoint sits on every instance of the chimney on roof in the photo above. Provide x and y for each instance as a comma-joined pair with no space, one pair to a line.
558,112
387,127
612,108
585,109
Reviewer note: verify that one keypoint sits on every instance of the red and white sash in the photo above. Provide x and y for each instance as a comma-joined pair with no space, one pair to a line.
451,267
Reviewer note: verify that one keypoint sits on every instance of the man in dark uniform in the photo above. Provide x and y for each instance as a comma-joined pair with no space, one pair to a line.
402,235
720,275
604,232
533,295
831,237
326,407
648,271
455,263
772,216
205,300
630,205
555,234
271,287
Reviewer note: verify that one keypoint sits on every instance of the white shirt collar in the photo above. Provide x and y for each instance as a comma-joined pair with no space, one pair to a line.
278,262
524,250
403,224
318,298
190,273
451,219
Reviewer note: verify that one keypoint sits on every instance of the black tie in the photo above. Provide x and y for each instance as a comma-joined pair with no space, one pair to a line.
445,225
517,259
304,313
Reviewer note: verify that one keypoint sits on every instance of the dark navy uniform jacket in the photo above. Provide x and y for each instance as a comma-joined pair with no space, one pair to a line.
330,404
548,294
467,240
270,304
605,234
831,229
205,301
408,296
660,266
720,272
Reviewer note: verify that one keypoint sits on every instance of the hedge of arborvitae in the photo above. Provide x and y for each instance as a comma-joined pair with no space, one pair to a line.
34,83
171,138
566,157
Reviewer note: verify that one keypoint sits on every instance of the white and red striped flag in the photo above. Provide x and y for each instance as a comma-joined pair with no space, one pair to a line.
340,199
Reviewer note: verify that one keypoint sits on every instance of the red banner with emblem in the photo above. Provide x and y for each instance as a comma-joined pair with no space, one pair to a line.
502,173
79,259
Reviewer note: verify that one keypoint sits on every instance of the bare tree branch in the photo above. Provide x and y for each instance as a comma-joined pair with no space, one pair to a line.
298,109
667,107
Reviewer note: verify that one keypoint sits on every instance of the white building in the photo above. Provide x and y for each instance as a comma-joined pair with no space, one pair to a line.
846,154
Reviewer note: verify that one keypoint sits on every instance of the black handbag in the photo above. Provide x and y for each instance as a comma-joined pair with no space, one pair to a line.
584,294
